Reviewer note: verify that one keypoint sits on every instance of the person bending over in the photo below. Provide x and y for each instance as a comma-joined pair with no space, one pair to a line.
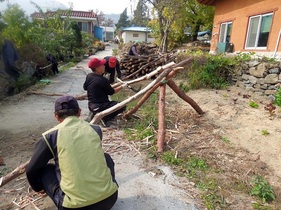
82,175
99,89
112,65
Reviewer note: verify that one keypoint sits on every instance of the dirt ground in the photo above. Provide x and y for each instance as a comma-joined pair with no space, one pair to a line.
230,135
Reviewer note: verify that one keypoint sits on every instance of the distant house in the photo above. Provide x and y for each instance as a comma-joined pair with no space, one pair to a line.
108,33
132,34
85,20
246,26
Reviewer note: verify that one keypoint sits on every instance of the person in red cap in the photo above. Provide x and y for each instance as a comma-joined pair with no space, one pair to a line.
99,88
112,65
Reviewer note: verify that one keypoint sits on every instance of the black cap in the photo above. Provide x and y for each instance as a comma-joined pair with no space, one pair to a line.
66,102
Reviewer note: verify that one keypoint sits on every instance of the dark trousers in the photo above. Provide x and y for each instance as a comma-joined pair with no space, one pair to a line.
52,188
55,68
95,108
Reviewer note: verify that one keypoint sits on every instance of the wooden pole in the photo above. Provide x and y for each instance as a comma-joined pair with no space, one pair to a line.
183,96
161,119
14,174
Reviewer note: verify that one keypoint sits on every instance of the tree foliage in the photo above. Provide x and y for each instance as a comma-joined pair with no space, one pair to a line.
122,22
103,20
17,25
172,17
141,14
52,34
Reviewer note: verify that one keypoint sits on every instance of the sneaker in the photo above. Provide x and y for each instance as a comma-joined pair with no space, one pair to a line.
105,123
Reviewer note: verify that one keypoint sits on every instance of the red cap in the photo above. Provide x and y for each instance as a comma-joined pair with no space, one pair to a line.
95,62
112,62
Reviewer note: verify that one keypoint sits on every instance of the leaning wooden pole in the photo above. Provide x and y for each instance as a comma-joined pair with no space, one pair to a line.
161,119
183,96
148,93
108,111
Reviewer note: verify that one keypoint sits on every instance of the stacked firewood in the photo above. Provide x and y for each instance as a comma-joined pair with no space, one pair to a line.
149,60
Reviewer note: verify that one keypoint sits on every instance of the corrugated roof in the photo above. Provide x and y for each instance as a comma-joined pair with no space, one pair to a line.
74,14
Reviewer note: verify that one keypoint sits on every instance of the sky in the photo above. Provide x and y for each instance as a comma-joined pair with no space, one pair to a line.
106,6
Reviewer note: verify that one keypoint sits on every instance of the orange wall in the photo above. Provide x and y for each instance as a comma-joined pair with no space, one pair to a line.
239,11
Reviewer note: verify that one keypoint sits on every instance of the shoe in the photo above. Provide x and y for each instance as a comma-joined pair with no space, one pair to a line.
105,124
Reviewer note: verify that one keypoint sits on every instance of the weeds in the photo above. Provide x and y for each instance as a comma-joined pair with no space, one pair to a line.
262,189
171,158
22,83
253,104
225,139
264,132
270,108
277,100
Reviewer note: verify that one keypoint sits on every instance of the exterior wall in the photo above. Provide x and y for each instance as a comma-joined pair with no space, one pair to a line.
238,12
258,76
127,37
108,33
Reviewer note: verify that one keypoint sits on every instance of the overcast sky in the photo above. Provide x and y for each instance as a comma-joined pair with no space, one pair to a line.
106,6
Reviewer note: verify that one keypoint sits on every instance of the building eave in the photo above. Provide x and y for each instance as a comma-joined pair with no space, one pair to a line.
207,2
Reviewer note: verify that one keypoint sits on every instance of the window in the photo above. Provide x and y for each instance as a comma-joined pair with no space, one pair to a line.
83,26
135,35
258,31
225,31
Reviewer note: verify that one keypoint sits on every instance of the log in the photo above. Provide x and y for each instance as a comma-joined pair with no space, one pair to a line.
118,106
148,93
161,119
183,96
14,174
80,97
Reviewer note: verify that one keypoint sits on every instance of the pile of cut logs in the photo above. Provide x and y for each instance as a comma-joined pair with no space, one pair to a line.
149,60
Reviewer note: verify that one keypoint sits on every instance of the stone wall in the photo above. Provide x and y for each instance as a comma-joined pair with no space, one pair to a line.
259,76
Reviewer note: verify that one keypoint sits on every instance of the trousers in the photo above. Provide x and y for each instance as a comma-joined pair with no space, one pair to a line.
50,183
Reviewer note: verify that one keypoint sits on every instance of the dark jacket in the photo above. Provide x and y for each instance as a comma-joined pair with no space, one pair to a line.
98,88
111,71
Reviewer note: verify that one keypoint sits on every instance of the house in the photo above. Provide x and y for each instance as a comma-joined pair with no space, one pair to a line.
132,34
246,26
87,21
108,33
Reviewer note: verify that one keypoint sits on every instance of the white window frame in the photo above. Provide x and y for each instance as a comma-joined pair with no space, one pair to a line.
224,31
257,34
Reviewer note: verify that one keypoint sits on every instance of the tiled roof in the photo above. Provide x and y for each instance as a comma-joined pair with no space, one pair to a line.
207,2
72,14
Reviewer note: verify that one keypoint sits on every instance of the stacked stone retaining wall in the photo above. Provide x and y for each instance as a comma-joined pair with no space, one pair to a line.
259,76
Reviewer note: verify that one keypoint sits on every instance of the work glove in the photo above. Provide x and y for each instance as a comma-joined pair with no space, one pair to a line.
124,85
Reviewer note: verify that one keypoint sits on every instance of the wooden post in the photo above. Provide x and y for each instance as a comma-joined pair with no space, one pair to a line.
161,118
